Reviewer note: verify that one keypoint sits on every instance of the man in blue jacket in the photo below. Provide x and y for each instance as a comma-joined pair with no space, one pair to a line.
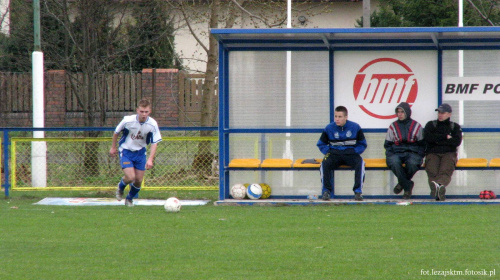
342,142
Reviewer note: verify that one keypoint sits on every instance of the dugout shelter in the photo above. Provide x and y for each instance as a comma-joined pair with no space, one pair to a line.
278,89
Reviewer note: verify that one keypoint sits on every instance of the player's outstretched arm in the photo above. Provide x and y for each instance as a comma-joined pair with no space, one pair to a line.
152,153
112,151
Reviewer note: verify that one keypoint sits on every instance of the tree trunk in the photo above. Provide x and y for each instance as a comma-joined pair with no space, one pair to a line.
204,158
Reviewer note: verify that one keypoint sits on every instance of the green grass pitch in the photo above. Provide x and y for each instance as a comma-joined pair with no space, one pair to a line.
244,242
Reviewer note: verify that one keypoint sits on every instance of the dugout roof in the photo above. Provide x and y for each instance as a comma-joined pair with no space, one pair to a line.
362,38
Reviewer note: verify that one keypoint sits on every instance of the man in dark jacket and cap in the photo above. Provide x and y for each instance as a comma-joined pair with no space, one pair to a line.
404,144
442,137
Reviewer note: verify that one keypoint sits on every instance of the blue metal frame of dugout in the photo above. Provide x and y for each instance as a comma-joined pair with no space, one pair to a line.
331,40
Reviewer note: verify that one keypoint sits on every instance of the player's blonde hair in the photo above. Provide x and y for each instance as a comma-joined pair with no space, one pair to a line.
144,103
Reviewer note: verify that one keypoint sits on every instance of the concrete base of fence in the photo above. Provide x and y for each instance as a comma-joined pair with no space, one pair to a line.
399,202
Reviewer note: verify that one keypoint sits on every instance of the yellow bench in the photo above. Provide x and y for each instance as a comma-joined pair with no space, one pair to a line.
244,163
276,163
370,163
494,162
472,162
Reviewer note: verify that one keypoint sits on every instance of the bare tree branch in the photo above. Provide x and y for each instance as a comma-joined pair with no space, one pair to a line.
2,19
480,13
191,29
251,15
232,16
63,24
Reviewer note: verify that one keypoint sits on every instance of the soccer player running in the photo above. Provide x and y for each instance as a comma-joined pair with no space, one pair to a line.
342,142
139,131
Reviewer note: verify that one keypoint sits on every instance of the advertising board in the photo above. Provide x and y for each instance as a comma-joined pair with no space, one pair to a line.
372,83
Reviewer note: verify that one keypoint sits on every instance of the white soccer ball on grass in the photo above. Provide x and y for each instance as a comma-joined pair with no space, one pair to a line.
173,204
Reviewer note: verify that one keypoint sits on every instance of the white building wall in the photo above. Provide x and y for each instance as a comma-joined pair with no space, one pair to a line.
334,15
4,16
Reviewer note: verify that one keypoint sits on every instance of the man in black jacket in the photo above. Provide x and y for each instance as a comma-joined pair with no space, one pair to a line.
442,137
404,144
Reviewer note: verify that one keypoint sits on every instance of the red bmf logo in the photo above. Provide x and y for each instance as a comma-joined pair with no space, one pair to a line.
383,83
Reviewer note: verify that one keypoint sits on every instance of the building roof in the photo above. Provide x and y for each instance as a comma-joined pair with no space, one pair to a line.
362,38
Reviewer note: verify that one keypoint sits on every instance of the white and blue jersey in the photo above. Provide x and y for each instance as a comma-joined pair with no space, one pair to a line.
136,135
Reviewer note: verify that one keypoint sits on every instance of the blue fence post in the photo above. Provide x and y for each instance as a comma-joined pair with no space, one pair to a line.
6,157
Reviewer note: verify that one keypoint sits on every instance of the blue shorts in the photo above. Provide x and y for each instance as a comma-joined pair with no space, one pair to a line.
135,159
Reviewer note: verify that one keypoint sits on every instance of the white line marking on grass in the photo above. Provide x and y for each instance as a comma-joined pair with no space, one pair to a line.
84,201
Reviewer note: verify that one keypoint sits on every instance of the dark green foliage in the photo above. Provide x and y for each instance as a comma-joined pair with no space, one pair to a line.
428,13
151,40
92,35
16,49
